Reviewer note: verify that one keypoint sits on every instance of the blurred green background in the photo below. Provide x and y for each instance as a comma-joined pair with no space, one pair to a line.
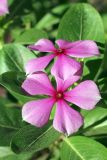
41,14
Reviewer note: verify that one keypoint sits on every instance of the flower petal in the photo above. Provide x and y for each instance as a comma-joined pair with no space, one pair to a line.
63,85
82,49
63,44
43,45
37,84
66,119
86,95
3,7
38,64
65,67
37,112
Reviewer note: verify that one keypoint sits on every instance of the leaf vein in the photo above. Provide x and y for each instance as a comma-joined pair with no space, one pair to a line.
82,158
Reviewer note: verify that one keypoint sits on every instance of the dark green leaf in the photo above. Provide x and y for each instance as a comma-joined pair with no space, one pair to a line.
30,138
91,67
10,116
102,83
51,18
31,36
81,22
10,121
12,81
6,135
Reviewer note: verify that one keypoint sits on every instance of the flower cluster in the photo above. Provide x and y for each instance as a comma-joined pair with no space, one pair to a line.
66,71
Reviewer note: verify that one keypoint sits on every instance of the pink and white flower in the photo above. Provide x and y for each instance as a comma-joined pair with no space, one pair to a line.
3,7
67,120
64,65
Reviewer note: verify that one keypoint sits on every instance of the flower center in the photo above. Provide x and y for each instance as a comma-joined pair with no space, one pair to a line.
59,50
59,95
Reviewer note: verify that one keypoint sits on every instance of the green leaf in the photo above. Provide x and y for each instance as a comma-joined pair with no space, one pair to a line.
6,135
81,22
82,148
51,18
95,116
95,121
104,18
13,57
12,81
100,129
7,154
102,83
5,151
30,138
10,116
31,36
91,67
10,121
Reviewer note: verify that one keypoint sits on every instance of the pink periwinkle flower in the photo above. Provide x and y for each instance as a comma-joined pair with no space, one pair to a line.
67,120
3,7
63,63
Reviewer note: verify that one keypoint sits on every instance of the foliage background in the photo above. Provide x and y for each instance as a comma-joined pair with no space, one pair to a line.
27,22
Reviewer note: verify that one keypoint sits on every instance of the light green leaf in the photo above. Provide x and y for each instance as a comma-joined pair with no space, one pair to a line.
100,129
7,154
82,148
13,57
5,151
95,116
95,121
104,18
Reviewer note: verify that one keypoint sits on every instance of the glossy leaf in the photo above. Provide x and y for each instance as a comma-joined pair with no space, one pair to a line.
95,121
100,129
13,57
95,116
81,22
82,148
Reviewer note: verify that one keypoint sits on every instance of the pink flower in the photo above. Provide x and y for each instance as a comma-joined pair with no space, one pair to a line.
64,66
3,7
67,120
